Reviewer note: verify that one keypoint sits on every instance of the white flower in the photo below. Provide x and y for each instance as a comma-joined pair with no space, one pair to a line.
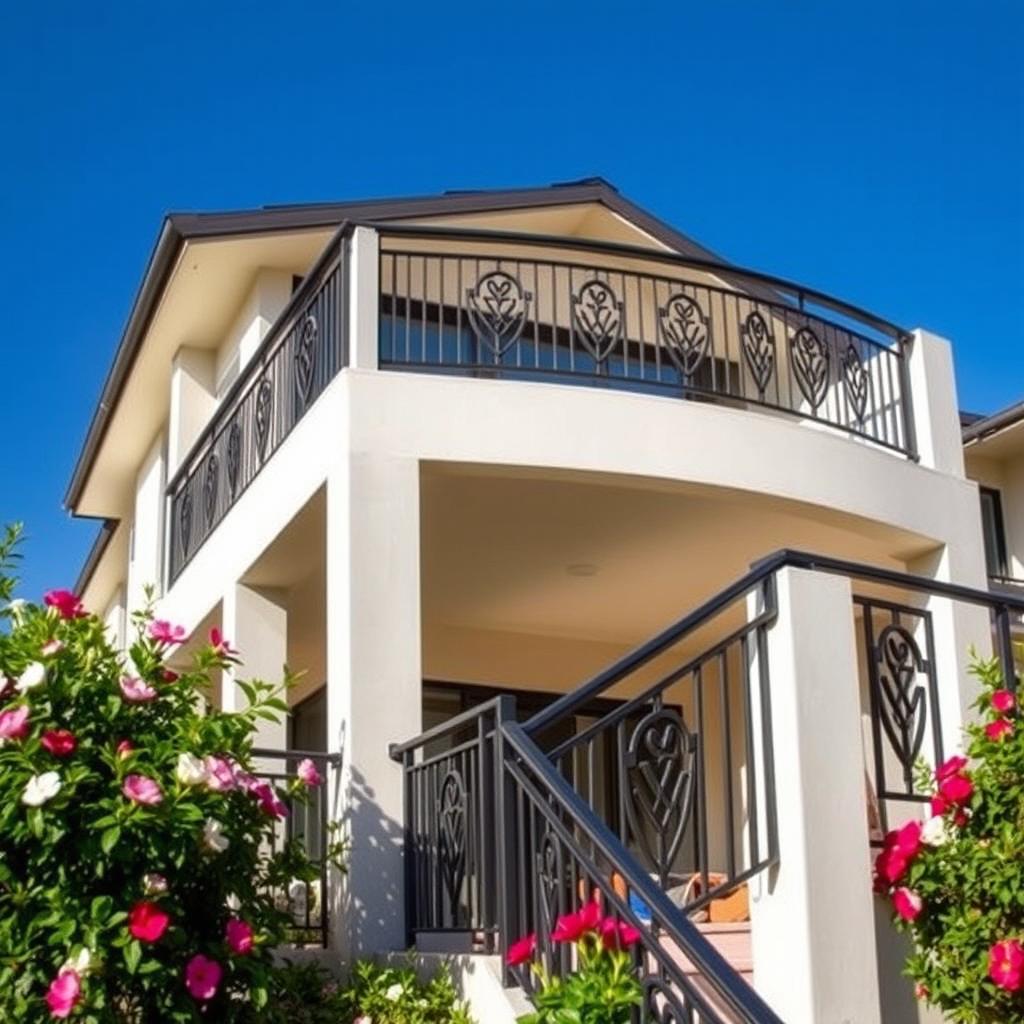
394,993
17,610
935,832
233,903
154,884
41,788
80,964
213,839
32,677
191,770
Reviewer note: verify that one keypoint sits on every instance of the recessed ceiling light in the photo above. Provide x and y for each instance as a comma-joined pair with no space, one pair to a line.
581,569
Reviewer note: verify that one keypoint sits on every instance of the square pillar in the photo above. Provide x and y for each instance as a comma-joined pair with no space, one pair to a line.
936,410
193,401
364,299
145,545
812,919
374,685
256,622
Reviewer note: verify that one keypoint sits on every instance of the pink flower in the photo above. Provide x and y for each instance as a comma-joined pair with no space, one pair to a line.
220,643
68,605
521,951
220,776
125,749
59,742
50,648
164,633
308,774
617,934
907,903
141,789
270,802
1003,701
1006,964
951,767
14,723
202,977
890,866
957,789
147,922
64,993
921,991
939,806
999,729
570,927
238,935
137,691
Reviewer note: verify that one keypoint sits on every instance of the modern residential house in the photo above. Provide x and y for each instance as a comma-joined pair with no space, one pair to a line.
611,568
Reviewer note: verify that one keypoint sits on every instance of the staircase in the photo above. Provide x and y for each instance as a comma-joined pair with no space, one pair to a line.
505,831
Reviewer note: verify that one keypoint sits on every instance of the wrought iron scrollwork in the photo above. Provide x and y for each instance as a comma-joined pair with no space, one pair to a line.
550,880
902,698
210,483
234,453
261,415
758,349
185,519
451,813
599,317
662,1003
811,365
855,380
660,769
497,307
305,357
685,329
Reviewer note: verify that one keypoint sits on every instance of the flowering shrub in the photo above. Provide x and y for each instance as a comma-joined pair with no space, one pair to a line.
135,875
956,881
603,989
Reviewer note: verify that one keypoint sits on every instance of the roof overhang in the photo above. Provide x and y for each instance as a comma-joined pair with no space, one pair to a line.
183,235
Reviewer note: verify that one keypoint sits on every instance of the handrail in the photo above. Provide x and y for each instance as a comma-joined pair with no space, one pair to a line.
735,993
801,292
275,336
396,750
760,571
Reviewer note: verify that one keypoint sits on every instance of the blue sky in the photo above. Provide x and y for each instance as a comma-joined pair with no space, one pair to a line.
875,151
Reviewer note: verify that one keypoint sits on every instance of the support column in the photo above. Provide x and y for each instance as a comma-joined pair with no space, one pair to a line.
256,622
936,412
812,916
146,537
193,401
364,299
374,685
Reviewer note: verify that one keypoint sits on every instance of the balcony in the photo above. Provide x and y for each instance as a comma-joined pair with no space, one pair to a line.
553,310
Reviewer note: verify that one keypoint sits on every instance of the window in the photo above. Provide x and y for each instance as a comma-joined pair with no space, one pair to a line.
992,530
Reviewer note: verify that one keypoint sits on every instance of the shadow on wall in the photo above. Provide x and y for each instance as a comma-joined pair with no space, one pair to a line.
895,989
368,908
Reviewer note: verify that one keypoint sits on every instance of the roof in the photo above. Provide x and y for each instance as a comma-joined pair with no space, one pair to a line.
179,228
976,428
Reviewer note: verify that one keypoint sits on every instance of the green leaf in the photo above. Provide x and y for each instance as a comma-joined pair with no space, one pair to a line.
110,838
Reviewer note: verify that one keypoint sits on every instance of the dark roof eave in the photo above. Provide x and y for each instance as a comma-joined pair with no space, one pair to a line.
99,546
180,227
986,425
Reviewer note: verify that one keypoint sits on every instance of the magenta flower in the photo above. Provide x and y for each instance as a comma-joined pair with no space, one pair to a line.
220,776
164,633
308,774
147,922
141,789
521,951
137,691
68,605
571,927
125,749
221,644
239,936
14,723
907,903
998,729
202,977
59,742
270,803
64,993
1006,964
1003,701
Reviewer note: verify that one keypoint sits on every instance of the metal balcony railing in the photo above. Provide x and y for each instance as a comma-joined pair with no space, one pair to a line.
567,311
301,354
